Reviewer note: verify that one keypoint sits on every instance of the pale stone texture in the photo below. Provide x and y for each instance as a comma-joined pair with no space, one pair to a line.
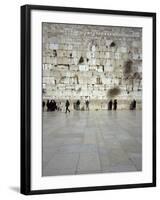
85,62
91,142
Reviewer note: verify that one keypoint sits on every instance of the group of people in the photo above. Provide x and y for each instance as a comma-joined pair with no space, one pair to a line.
112,103
53,106
77,105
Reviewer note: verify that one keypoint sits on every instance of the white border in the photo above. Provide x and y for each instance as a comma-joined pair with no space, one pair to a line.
41,183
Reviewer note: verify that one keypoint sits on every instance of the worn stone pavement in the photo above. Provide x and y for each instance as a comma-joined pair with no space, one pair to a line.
87,142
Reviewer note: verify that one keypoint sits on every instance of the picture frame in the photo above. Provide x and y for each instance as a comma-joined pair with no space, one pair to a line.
32,19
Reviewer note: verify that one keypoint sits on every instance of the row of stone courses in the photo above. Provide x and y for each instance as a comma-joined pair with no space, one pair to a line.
83,87
92,54
92,95
75,44
94,61
92,84
90,33
89,72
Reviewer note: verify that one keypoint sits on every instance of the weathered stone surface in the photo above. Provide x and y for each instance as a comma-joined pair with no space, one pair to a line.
91,142
85,62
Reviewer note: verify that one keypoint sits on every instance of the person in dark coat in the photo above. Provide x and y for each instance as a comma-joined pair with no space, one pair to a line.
67,106
134,104
115,104
110,105
43,104
53,105
87,105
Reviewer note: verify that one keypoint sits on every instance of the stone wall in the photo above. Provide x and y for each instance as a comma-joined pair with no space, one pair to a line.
98,63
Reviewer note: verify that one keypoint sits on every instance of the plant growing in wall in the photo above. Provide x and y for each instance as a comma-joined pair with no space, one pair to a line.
113,92
81,60
112,44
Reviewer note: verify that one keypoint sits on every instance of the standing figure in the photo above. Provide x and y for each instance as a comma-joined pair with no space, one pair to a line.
78,105
134,104
50,105
67,106
115,104
87,105
110,105
43,104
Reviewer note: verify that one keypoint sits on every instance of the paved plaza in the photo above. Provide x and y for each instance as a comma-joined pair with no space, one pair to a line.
88,142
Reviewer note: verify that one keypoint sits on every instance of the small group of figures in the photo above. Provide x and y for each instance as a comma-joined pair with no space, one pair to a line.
51,105
112,103
77,105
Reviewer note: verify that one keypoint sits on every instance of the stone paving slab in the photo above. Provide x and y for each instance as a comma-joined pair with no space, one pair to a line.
89,162
61,163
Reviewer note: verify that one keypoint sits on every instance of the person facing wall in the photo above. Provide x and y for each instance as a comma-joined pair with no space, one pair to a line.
110,105
115,104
